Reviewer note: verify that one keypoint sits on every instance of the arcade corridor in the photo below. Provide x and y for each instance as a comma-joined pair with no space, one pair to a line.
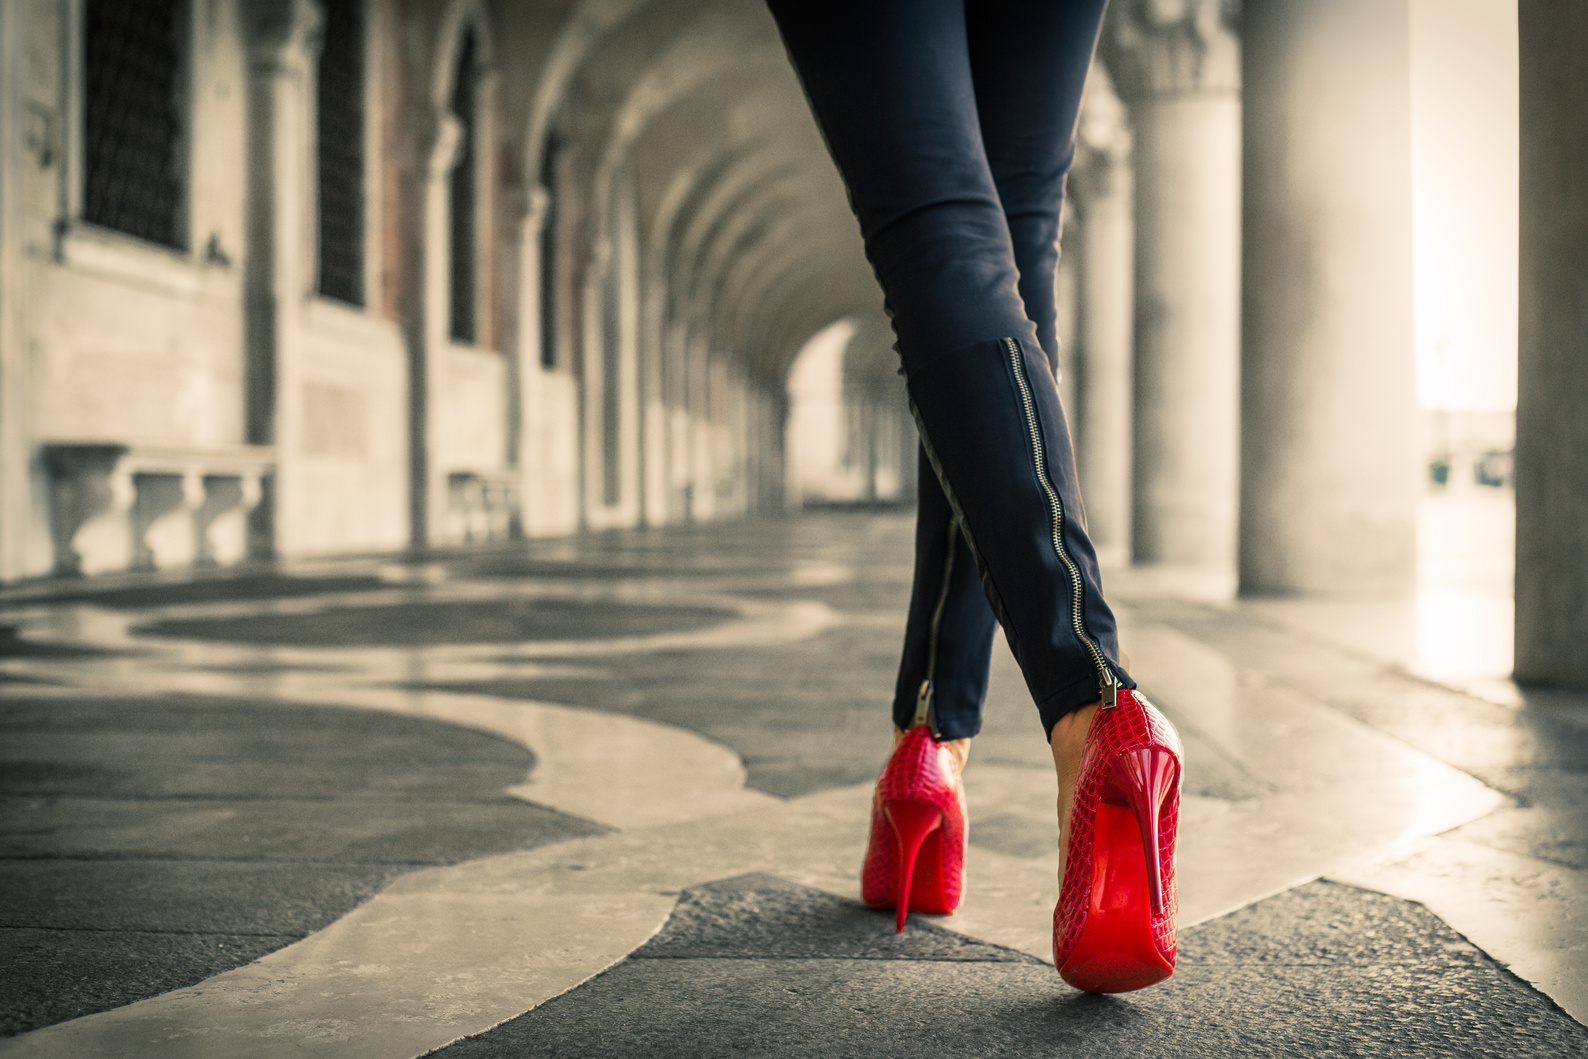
455,537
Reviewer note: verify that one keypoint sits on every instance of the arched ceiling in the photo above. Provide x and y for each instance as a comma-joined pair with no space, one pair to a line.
743,222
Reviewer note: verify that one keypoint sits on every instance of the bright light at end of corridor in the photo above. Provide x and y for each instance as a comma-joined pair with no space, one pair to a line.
1464,201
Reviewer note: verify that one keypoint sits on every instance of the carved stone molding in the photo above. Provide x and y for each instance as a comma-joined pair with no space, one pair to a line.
284,33
1160,49
446,140
1102,140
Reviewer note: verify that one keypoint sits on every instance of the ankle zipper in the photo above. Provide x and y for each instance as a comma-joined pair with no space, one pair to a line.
1107,682
923,698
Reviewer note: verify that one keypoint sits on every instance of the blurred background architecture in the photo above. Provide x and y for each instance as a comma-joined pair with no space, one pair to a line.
285,278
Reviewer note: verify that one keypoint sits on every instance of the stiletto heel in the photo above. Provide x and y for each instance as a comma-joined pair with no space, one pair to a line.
1113,928
911,823
915,861
1141,782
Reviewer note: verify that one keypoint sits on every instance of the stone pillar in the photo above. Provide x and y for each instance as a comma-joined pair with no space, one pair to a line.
16,501
701,491
1103,192
1066,296
527,433
283,40
1329,471
1552,384
1175,63
430,331
652,345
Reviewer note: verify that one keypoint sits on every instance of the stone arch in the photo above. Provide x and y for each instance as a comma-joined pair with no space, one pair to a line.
458,19
687,116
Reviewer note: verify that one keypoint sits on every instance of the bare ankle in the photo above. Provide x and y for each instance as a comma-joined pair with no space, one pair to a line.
1068,743
1068,738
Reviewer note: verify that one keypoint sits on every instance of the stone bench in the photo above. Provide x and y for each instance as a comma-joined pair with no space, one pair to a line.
482,506
124,506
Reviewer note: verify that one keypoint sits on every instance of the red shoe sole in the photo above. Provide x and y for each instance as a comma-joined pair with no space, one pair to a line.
1116,952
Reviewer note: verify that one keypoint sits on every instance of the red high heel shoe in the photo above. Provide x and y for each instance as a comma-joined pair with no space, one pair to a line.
1113,928
916,859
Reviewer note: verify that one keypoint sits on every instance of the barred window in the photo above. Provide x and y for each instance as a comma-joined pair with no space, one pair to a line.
340,132
462,195
134,103
548,252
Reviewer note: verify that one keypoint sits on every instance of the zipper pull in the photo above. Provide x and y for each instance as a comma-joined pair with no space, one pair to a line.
1110,689
923,705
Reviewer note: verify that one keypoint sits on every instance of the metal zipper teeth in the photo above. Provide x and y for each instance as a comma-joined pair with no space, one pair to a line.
1056,508
923,701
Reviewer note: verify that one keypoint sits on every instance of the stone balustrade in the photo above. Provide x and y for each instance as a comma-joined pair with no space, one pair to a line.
482,506
122,506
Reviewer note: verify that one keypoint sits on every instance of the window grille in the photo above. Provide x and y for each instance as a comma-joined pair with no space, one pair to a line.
462,235
550,158
340,132
134,101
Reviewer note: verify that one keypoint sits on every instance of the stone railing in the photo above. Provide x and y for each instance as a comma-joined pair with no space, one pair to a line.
119,506
482,506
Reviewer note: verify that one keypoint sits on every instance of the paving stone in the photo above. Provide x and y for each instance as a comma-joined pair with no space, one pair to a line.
761,917
429,624
1538,753
193,746
1015,835
142,837
14,646
814,715
178,837
1552,832
49,976
1324,970
195,896
16,678
364,830
217,589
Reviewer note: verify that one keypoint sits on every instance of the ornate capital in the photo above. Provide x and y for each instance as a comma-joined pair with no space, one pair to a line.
283,32
1167,48
446,140
1102,138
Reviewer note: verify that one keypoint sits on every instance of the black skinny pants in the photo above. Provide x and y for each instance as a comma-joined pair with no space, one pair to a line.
953,125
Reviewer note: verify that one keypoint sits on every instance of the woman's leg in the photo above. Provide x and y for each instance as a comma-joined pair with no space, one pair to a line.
948,634
891,84
1028,64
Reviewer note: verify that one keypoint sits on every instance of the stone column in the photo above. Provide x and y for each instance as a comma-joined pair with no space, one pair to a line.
1103,192
430,332
283,41
702,488
1329,471
1175,64
524,379
1552,384
654,411
16,501
1066,296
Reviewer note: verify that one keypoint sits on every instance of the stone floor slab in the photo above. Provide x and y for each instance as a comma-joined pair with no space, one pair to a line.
1325,970
50,976
1297,761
